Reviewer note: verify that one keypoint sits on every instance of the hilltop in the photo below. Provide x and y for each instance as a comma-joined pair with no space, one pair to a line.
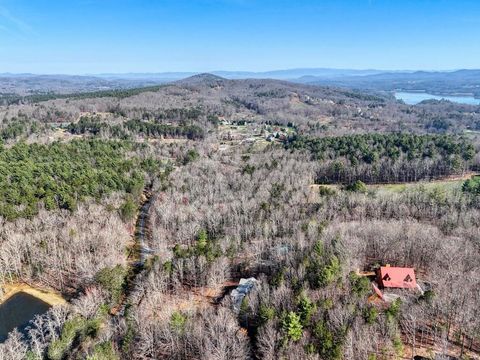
201,79
312,109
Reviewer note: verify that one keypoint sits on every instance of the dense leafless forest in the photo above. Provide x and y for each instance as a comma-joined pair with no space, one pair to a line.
185,189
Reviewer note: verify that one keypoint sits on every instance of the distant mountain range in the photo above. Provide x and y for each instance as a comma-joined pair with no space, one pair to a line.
289,74
435,82
32,84
460,82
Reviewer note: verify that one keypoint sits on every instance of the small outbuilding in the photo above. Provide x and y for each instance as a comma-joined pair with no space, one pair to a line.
396,277
244,287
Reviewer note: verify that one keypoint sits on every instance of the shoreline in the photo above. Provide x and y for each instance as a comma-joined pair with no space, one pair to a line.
438,94
49,296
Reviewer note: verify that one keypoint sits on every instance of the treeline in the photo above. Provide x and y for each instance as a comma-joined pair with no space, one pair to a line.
153,129
88,125
18,127
385,158
472,185
9,99
14,129
59,175
14,99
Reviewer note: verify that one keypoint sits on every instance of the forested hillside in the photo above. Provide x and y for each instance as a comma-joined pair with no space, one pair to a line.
382,158
241,219
61,175
205,100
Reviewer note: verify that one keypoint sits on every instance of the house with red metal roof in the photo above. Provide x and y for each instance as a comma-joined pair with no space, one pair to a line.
396,277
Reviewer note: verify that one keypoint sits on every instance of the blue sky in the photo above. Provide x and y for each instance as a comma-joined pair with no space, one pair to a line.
88,36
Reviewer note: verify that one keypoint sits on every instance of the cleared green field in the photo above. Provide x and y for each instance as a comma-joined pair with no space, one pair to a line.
447,185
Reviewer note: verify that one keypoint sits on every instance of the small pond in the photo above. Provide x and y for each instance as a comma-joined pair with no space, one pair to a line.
18,310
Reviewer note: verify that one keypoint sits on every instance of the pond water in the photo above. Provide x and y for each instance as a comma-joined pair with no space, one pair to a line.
413,98
17,311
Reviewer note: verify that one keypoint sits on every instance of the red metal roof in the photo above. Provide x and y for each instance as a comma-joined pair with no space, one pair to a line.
377,291
397,277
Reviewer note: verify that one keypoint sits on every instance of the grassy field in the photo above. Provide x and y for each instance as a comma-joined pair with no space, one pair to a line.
445,185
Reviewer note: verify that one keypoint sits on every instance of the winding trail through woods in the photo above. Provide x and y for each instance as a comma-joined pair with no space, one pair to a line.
142,231
141,252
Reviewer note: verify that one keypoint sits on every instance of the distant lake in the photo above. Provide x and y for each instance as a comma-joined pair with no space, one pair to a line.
18,311
413,98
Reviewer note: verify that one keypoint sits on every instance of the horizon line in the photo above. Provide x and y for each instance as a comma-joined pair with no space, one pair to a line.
234,71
